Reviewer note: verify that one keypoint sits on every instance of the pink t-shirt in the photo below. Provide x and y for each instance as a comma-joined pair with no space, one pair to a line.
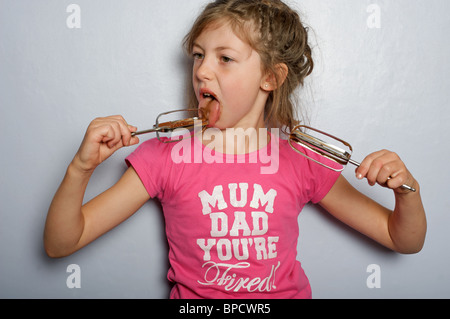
232,227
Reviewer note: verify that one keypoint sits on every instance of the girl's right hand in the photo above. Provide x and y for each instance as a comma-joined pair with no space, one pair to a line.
103,137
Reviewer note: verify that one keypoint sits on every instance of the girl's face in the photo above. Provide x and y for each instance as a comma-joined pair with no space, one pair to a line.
228,69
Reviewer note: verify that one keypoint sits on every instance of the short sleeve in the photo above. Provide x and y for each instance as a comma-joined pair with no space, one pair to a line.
317,179
327,180
149,161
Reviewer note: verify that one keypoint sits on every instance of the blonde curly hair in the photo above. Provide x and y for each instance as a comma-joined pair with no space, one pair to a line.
273,30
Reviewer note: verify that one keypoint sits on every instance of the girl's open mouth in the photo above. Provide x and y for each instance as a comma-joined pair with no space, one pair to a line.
209,108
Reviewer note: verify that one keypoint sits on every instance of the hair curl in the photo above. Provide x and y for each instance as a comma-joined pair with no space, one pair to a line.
276,32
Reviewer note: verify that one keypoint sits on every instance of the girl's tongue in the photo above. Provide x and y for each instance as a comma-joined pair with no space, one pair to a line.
209,109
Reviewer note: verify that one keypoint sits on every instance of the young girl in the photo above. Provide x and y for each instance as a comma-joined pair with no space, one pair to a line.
233,230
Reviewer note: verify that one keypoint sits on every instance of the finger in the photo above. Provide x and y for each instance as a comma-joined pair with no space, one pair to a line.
113,129
374,171
400,176
134,139
363,169
392,173
380,166
387,169
102,133
113,136
384,173
397,181
125,130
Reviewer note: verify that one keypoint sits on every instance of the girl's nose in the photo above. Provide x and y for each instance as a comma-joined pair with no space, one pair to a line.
204,71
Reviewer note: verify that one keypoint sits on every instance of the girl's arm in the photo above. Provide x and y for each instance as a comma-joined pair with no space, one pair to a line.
70,226
403,229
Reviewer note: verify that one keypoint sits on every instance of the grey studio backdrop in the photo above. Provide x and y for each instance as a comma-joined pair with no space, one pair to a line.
381,81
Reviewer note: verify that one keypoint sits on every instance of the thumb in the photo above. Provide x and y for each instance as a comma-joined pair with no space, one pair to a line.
134,141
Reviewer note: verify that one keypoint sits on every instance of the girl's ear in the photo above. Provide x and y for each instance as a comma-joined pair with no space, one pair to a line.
270,82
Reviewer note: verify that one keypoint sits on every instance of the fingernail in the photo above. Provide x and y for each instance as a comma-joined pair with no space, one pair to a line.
359,176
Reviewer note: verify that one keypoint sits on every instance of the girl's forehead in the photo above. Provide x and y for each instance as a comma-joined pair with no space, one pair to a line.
226,30
221,26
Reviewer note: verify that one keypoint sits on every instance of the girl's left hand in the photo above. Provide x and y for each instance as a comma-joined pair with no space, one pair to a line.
387,169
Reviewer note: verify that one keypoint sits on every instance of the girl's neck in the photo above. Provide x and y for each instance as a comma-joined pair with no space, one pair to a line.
247,135
236,141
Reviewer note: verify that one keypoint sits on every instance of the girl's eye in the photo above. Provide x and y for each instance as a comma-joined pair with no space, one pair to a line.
197,56
226,59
